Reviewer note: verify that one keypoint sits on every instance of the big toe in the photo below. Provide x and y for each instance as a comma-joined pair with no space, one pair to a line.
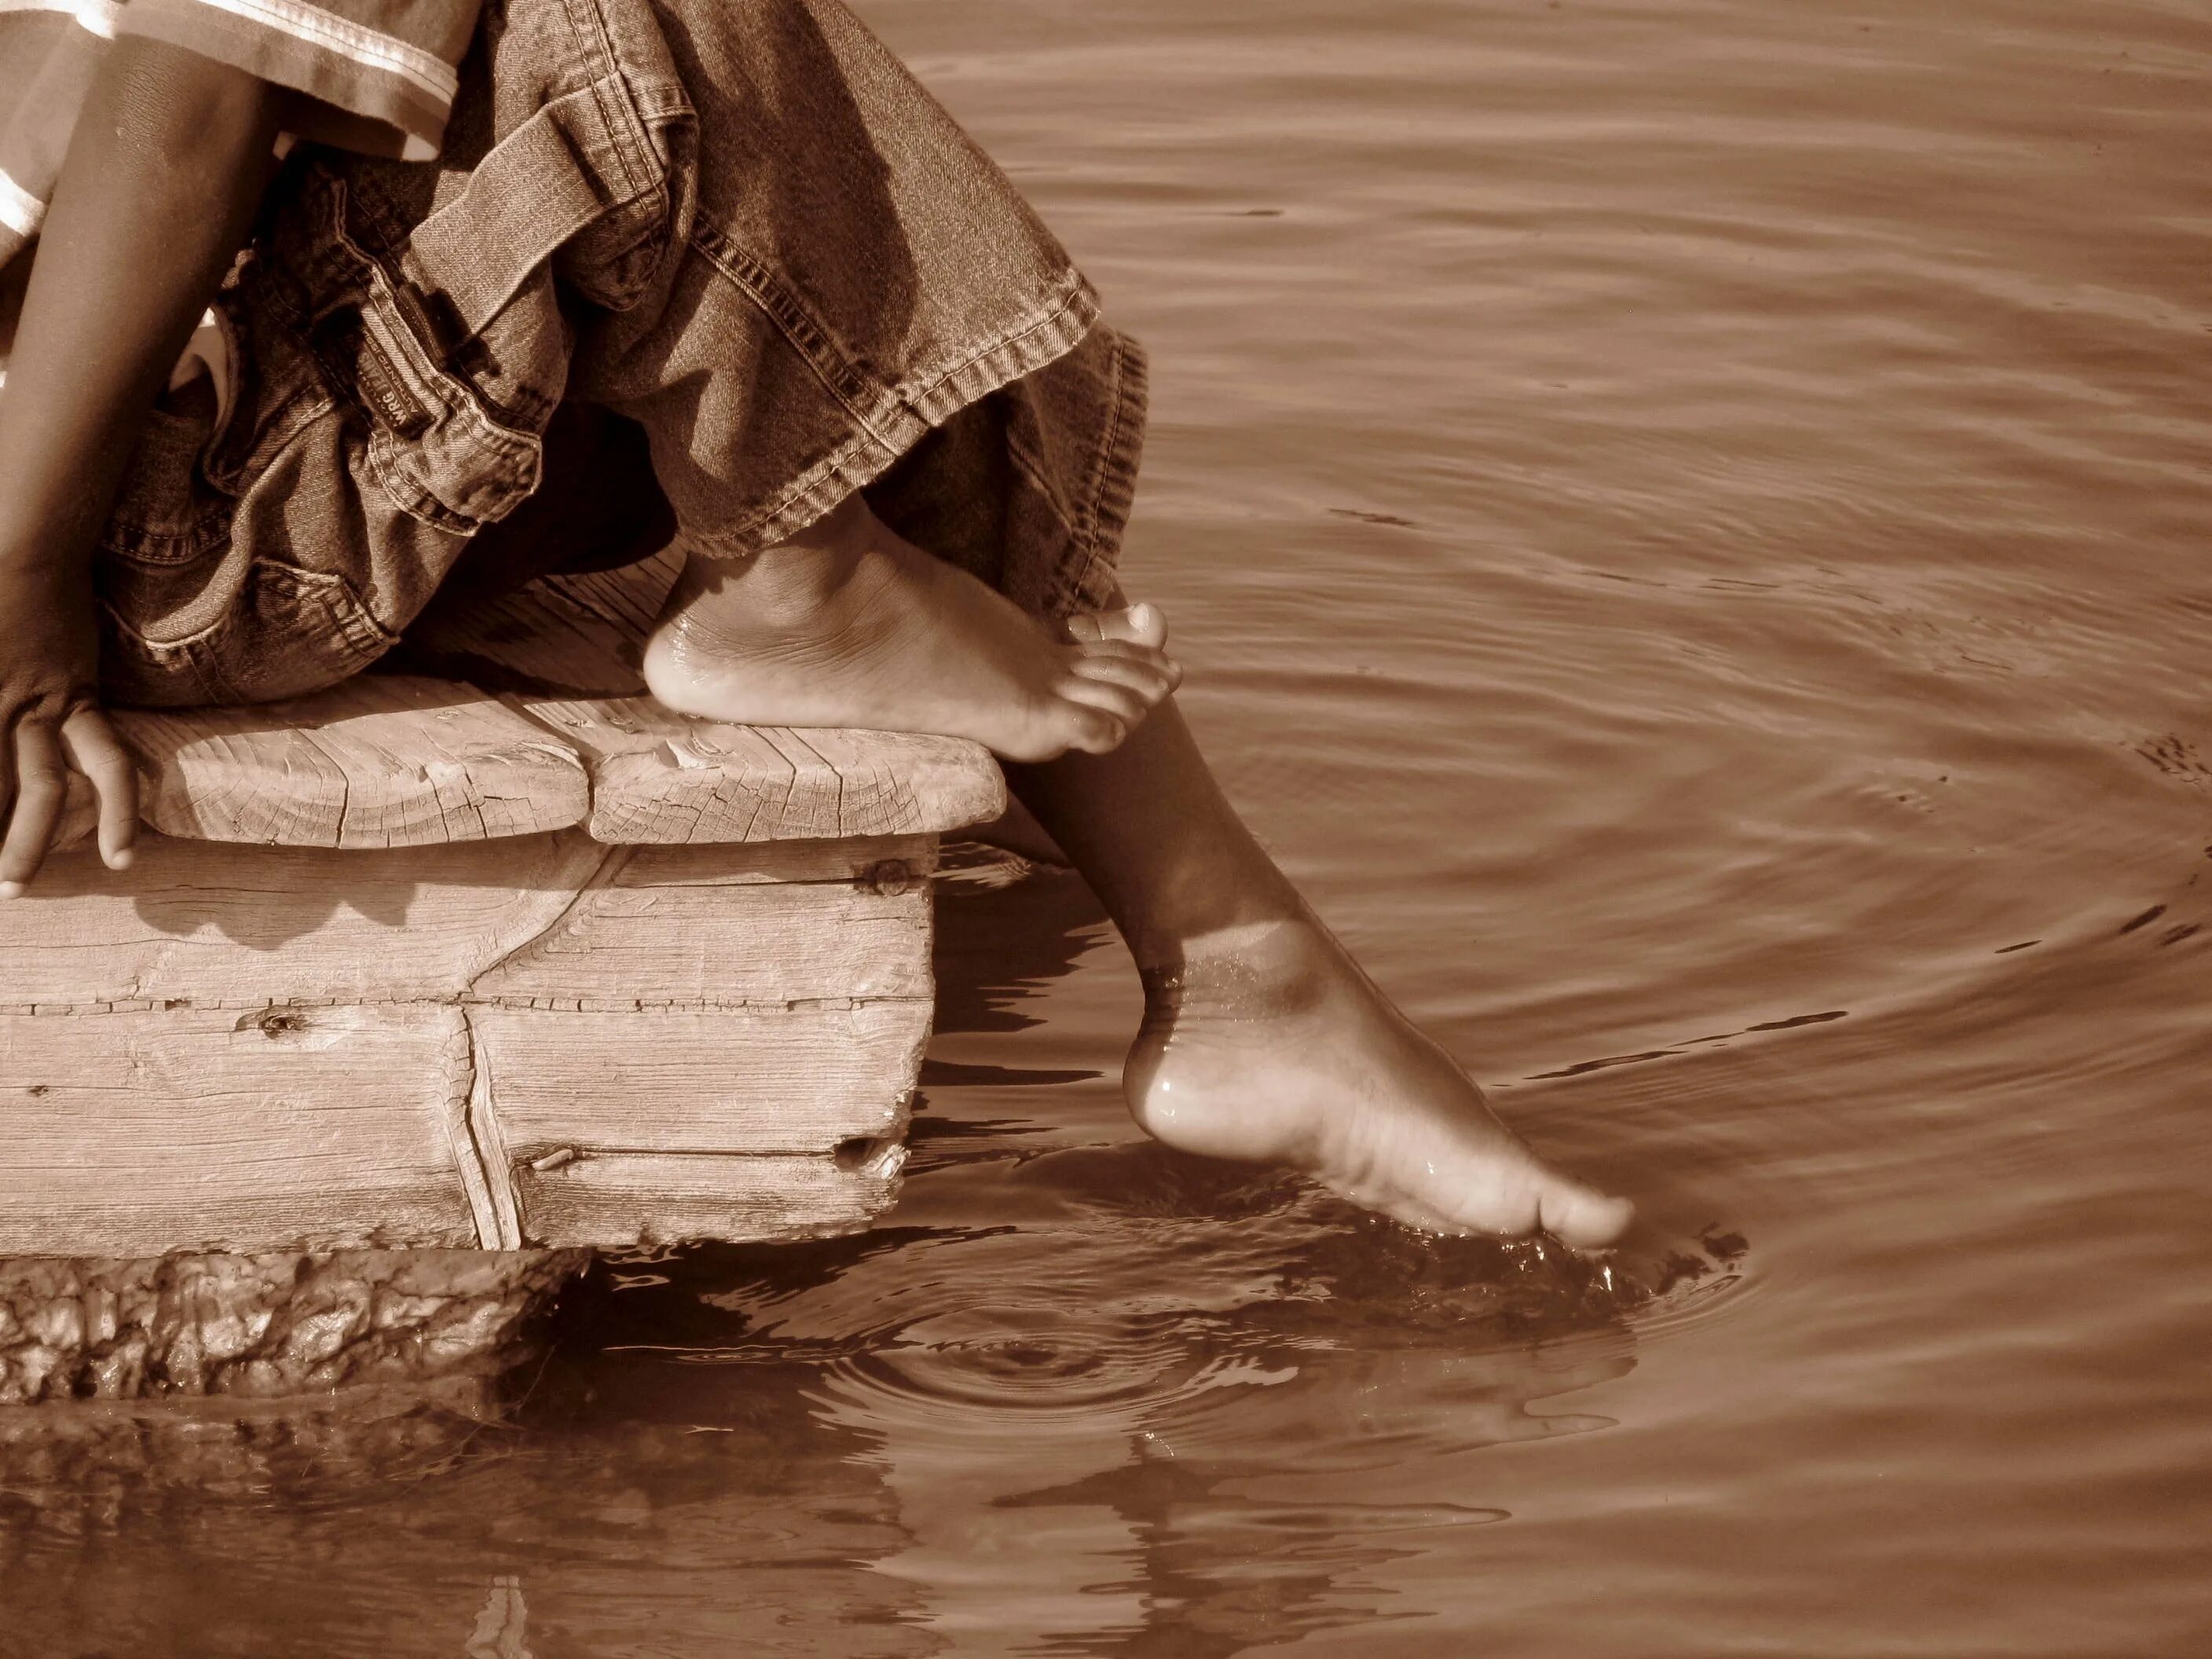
1582,1216
1144,624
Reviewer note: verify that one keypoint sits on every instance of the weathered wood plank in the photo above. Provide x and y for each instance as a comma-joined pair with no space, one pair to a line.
754,942
218,925
619,1200
800,1080
659,777
379,762
191,1129
202,922
710,1029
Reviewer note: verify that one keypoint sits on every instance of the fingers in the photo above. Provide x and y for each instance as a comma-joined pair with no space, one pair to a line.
41,788
89,742
37,762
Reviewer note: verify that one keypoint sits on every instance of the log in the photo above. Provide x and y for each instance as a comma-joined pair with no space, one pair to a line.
266,1326
420,971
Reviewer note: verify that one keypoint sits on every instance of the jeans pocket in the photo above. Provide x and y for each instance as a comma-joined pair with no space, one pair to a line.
432,447
293,630
436,446
166,511
288,630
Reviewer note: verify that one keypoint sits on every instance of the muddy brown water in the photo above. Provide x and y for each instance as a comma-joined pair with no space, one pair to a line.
1688,525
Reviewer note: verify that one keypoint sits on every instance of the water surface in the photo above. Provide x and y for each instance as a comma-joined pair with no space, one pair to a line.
1687,524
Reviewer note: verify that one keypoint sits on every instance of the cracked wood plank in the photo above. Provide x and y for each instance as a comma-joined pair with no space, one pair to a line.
658,777
191,1129
798,1080
621,1200
319,1048
207,923
556,917
381,760
565,651
745,943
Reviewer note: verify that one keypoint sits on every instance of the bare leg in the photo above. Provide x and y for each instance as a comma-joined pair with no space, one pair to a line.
847,624
1262,1039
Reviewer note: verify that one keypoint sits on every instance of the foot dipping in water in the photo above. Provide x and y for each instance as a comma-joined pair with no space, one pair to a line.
1262,1041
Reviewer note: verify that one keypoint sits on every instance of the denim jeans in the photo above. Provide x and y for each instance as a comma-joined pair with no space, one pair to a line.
736,234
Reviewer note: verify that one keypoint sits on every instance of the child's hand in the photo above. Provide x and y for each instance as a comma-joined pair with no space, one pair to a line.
165,166
51,724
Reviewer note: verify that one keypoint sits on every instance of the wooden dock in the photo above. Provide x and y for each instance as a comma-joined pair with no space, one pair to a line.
514,962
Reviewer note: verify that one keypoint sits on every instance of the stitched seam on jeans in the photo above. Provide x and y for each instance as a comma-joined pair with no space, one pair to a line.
745,535
1078,297
592,33
1113,480
1108,446
806,333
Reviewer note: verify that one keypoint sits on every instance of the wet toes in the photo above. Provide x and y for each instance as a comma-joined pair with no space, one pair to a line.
1582,1216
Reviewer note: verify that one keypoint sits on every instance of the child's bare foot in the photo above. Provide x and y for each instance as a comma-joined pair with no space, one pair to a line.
1268,1043
847,624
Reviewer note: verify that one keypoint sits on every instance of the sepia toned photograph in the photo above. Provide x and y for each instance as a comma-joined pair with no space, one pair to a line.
1105,829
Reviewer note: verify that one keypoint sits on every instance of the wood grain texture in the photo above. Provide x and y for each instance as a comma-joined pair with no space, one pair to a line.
133,1133
565,649
800,1080
377,761
753,944
198,923
300,1047
206,924
658,777
617,1201
492,1026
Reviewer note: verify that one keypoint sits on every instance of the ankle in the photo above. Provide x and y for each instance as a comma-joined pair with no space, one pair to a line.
1187,924
814,573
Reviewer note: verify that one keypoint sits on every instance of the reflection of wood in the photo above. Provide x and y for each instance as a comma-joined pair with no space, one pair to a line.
549,966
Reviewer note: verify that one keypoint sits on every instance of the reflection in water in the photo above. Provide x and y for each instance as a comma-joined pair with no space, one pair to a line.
502,1629
1135,1422
1142,1422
